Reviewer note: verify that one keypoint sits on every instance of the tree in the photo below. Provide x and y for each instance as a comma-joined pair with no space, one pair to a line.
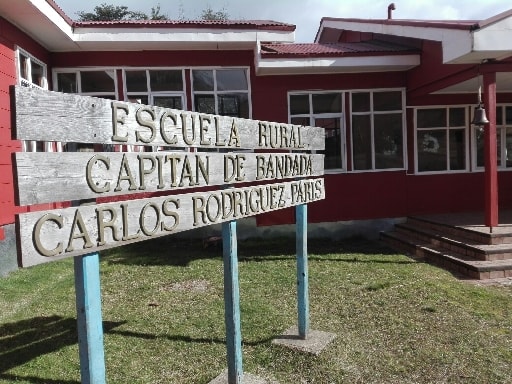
209,14
109,12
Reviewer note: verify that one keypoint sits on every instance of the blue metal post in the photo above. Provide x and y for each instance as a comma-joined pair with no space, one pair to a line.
89,320
301,214
232,303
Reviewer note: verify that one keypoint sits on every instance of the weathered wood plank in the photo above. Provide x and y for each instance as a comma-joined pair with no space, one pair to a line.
54,116
51,235
63,176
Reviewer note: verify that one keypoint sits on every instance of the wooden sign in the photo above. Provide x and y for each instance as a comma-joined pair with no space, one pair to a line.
53,116
56,177
54,234
64,176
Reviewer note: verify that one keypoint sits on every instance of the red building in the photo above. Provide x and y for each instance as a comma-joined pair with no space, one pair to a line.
396,99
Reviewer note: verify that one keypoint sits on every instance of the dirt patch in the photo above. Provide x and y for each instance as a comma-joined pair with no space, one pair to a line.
188,285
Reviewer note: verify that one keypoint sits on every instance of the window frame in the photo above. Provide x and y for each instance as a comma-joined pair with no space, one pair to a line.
446,129
215,92
501,133
312,117
77,71
372,113
33,145
149,92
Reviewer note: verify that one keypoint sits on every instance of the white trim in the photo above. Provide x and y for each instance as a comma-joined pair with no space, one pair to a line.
312,117
446,129
373,113
215,92
325,65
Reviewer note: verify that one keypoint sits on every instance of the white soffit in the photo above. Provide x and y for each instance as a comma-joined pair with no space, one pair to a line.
45,25
116,39
324,65
39,20
455,42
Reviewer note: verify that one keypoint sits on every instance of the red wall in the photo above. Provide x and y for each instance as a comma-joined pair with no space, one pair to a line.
350,196
10,36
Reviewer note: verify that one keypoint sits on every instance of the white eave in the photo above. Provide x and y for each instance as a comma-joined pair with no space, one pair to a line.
326,65
489,39
118,39
53,30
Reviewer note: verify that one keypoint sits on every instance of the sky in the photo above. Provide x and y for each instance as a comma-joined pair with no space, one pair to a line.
306,14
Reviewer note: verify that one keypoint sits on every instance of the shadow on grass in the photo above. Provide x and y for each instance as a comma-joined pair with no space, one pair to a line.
180,252
25,340
186,339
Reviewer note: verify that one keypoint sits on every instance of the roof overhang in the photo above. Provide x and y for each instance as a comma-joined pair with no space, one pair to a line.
327,65
52,29
462,43
119,39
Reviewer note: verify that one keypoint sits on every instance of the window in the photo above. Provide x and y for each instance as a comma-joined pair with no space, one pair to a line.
322,110
91,82
100,82
160,87
377,130
32,73
221,91
441,143
503,138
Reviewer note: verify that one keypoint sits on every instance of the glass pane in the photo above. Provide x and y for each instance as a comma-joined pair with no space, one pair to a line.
332,151
431,118
98,81
362,142
479,135
432,151
499,115
508,115
136,81
168,102
387,101
299,104
327,103
361,102
508,147
24,63
37,74
231,80
203,80
66,82
166,80
234,104
205,103
457,117
140,99
300,121
457,149
388,141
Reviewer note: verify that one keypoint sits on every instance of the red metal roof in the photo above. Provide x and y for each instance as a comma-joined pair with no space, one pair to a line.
224,24
332,49
197,24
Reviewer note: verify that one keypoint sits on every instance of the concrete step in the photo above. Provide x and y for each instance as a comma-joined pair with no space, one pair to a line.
456,243
448,259
476,234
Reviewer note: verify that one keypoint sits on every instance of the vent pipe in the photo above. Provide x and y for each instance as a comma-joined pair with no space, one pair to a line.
391,8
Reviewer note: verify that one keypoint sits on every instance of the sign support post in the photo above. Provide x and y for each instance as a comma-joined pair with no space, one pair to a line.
232,303
89,319
301,214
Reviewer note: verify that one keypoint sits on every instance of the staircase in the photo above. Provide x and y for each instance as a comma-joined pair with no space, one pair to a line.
467,251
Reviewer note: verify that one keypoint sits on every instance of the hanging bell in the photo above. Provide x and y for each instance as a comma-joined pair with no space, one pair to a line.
479,118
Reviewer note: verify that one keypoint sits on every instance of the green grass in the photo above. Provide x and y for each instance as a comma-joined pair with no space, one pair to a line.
396,320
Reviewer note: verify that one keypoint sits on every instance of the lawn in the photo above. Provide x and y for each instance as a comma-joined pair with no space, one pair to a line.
396,320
